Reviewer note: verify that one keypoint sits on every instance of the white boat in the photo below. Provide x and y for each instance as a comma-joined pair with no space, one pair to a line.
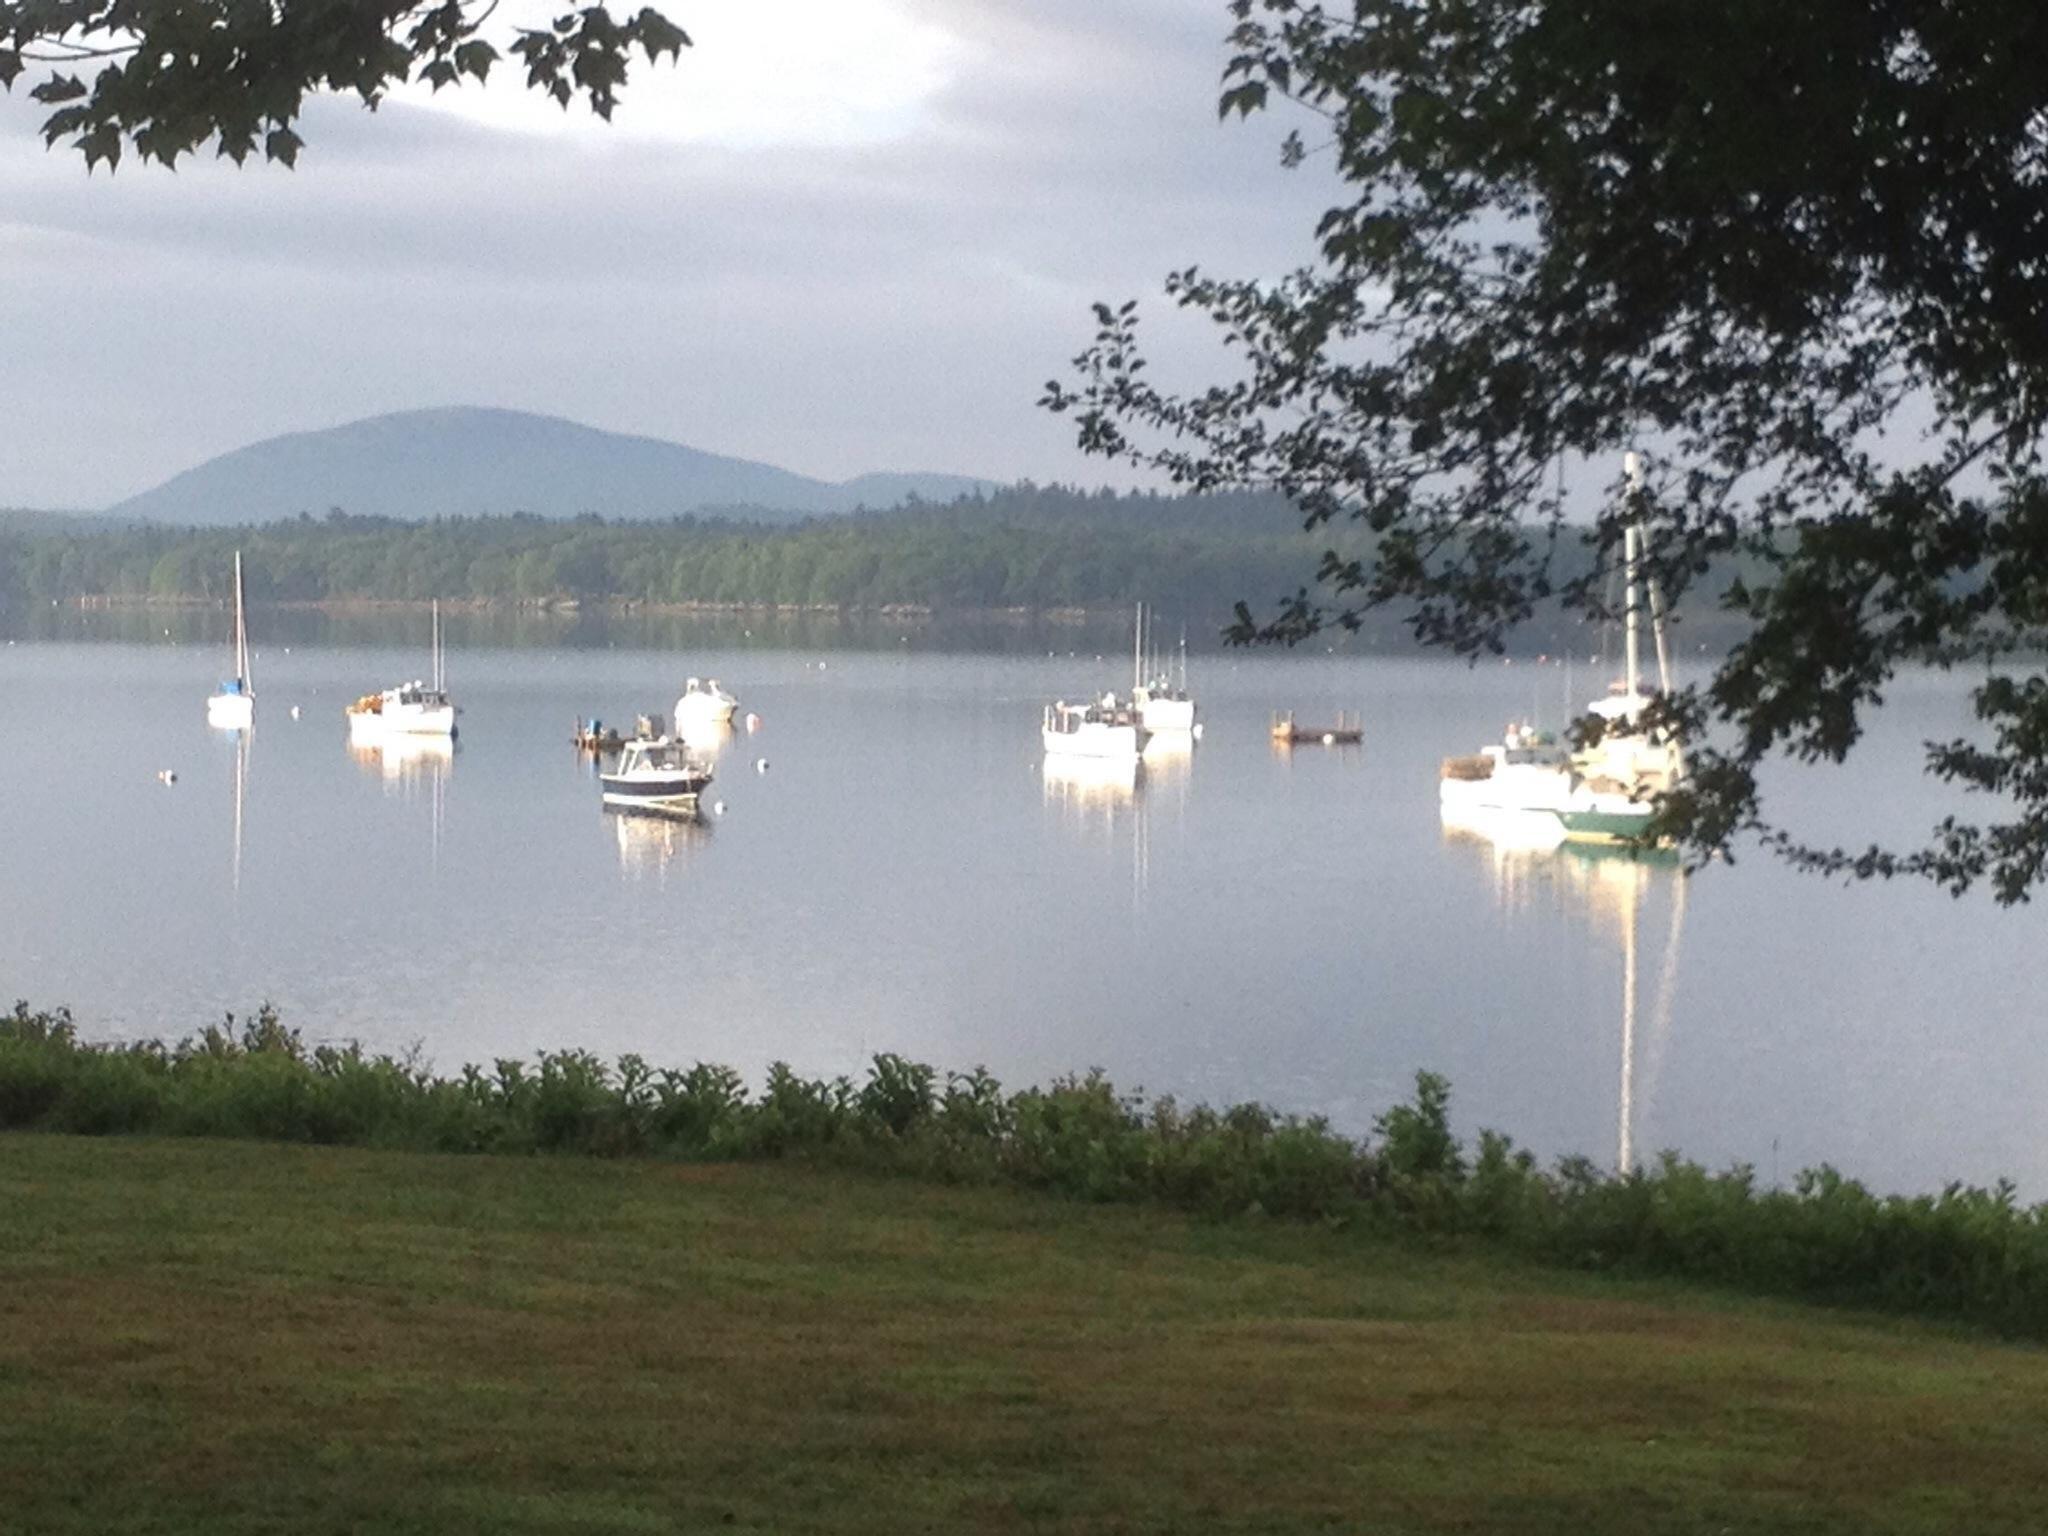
703,707
233,705
1620,775
417,708
1099,729
1602,793
655,774
1162,704
1527,770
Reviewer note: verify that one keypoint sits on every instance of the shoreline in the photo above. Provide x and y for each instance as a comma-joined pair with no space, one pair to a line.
572,606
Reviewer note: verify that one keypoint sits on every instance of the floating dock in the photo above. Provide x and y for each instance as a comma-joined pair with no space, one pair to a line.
1349,731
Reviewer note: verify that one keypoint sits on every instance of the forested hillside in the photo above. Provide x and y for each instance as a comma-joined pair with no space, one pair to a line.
1029,547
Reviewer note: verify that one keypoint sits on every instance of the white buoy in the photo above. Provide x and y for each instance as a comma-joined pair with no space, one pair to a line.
718,807
1197,731
760,765
753,722
168,776
295,711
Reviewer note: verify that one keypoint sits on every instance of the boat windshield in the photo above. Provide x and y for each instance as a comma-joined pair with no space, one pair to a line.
666,755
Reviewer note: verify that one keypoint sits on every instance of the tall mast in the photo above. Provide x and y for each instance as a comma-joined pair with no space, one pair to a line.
1138,651
241,632
1631,543
437,645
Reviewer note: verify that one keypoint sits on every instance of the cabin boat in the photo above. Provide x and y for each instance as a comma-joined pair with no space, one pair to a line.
410,709
1161,702
417,708
1527,770
703,707
1102,728
655,774
232,706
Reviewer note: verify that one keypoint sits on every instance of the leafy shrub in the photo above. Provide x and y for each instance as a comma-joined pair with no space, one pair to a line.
1968,1253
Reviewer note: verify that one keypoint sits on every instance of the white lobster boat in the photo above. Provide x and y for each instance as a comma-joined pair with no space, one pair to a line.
417,708
1161,702
1093,730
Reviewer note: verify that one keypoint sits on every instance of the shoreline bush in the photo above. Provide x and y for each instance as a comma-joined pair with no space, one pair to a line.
1970,1254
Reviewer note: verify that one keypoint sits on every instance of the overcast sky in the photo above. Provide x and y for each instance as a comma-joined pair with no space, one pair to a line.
843,235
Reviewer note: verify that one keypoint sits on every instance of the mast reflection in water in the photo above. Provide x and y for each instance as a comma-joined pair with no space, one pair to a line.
1611,887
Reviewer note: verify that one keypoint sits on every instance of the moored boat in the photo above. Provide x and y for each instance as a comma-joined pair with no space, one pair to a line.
703,706
417,708
1161,701
657,774
1098,729
232,706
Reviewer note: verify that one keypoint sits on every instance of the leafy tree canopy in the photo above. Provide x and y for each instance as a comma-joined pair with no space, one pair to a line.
1797,252
167,76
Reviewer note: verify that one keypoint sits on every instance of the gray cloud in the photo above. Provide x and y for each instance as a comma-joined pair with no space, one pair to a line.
831,309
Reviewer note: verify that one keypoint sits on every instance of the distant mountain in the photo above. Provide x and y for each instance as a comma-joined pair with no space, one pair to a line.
468,461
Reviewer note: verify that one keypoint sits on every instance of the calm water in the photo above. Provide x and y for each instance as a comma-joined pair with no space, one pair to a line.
903,875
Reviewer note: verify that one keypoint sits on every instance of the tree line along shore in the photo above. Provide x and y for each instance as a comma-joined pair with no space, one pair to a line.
1041,551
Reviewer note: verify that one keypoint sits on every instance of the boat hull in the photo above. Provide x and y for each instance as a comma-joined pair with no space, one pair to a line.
1507,790
653,792
1096,741
231,711
1617,824
403,722
1170,715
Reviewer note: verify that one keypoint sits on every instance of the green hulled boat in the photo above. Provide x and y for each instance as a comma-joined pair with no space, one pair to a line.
1622,823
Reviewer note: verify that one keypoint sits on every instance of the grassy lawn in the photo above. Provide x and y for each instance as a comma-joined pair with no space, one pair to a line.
237,1337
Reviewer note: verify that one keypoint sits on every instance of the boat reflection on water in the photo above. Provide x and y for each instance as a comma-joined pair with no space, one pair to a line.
651,841
1169,760
1613,886
401,759
242,740
1092,788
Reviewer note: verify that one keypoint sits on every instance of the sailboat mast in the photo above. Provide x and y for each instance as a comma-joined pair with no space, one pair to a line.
1631,544
1138,651
241,632
437,645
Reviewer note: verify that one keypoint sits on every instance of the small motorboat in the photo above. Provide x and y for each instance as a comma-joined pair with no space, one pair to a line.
655,774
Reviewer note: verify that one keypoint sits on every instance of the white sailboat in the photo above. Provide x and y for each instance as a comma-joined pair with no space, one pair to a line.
1619,776
1601,794
232,706
417,708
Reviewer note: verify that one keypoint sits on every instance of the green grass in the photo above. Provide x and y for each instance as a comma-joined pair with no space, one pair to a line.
230,1337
